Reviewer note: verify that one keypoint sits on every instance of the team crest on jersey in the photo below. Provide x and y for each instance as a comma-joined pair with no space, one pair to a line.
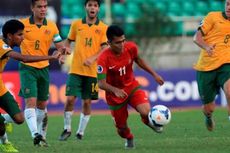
99,69
47,32
5,46
97,31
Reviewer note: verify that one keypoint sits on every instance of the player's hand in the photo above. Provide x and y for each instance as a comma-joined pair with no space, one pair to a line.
159,79
89,61
120,93
210,49
56,54
61,59
64,50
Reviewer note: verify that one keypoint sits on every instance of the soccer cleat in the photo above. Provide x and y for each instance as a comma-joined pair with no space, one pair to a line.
7,147
37,139
79,136
129,144
43,143
65,135
9,127
156,128
209,122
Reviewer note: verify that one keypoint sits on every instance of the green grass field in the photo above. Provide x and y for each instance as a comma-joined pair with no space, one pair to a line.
185,134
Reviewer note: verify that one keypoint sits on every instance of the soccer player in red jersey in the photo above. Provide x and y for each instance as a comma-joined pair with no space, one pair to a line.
116,77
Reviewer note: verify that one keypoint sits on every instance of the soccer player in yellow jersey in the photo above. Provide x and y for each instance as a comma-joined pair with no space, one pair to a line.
213,66
89,35
12,36
39,34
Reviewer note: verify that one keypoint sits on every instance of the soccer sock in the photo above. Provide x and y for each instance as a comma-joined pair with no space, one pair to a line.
4,139
7,118
67,120
31,120
40,116
125,133
229,118
84,119
44,125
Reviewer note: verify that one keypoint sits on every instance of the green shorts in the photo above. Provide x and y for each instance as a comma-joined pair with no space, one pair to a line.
210,82
34,82
82,86
9,105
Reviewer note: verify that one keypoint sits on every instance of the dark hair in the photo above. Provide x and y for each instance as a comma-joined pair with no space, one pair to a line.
12,26
98,2
33,2
113,31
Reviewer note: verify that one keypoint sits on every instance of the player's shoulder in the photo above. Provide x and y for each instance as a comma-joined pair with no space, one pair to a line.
105,53
1,42
101,23
25,20
4,46
130,44
77,21
50,22
214,14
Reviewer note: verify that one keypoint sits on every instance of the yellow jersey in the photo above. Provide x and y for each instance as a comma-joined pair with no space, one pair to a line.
4,48
88,40
38,39
216,30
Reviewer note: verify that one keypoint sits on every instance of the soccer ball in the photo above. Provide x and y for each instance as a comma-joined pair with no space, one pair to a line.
159,115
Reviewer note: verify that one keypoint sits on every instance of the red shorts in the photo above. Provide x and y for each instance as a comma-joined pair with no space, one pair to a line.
120,115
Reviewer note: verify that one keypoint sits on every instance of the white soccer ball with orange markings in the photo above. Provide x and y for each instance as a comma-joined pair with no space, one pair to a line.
159,115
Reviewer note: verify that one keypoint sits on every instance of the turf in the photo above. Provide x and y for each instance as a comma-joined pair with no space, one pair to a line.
186,133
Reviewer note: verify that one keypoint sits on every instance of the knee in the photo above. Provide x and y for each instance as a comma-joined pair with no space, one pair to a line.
70,103
19,118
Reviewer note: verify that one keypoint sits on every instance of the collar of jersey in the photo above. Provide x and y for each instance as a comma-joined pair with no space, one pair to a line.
84,21
32,20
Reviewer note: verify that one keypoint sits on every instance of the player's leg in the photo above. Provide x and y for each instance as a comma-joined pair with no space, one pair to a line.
89,91
84,118
68,112
44,124
140,102
208,89
120,117
28,82
73,85
227,94
41,114
14,113
41,106
224,81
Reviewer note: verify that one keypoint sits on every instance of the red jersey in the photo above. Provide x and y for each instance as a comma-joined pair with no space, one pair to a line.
118,70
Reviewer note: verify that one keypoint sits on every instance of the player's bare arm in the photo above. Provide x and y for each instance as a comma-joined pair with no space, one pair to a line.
198,39
89,61
109,88
64,49
29,59
141,63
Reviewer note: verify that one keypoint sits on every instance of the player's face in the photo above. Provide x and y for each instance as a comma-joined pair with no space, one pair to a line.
17,38
117,44
40,9
92,9
227,8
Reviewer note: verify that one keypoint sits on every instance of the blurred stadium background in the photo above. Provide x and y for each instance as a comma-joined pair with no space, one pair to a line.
163,29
